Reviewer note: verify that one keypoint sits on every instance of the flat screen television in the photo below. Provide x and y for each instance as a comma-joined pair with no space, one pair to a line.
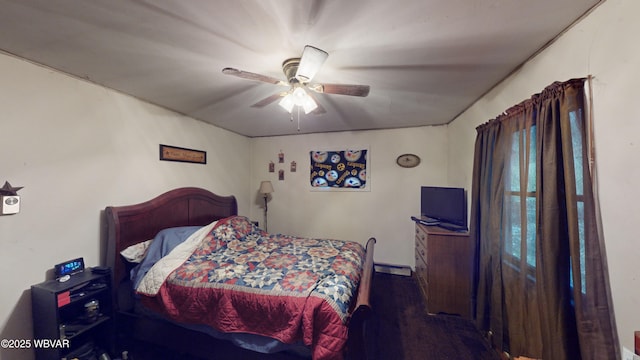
444,206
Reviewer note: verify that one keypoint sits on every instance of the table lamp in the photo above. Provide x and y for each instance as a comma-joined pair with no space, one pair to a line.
266,188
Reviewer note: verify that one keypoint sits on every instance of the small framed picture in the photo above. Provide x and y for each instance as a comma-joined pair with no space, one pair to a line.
293,166
280,174
174,153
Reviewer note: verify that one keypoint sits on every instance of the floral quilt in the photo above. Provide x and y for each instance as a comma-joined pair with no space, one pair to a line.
239,278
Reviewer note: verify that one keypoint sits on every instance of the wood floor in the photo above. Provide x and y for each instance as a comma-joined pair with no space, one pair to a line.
405,330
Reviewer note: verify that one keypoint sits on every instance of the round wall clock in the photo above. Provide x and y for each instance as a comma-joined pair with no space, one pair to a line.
408,160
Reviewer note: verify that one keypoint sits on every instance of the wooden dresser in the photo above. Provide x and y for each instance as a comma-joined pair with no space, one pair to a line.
444,268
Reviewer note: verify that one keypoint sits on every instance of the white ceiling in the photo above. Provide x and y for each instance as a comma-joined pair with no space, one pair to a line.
425,60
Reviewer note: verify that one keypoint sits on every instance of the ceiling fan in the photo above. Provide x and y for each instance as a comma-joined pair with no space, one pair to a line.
299,72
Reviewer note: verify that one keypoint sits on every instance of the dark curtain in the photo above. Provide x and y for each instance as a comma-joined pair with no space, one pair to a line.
542,286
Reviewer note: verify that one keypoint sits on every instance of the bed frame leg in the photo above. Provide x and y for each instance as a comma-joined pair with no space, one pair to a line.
361,333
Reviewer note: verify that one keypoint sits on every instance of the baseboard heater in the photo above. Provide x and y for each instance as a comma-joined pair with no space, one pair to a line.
401,270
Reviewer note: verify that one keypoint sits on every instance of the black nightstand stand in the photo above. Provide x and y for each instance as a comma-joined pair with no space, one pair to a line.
77,312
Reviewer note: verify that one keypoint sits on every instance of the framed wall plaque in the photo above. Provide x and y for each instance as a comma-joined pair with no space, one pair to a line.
174,153
339,170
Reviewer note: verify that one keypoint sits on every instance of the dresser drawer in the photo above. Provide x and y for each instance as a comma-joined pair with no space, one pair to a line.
421,275
421,249
421,237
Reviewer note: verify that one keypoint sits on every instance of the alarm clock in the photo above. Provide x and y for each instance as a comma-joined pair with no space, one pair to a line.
69,267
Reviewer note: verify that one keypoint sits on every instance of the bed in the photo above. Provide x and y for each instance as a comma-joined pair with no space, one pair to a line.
332,325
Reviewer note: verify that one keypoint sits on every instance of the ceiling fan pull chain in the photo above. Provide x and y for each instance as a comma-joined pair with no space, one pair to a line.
298,118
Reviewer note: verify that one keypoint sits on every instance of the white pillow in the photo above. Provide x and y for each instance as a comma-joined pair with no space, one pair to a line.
135,253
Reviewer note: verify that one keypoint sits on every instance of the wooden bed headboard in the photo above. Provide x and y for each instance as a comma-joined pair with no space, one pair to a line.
132,224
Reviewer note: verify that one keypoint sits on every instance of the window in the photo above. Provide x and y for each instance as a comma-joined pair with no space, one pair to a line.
577,141
520,198
520,202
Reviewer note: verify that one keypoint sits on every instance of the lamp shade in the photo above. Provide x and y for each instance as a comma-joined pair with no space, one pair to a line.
309,105
266,187
287,103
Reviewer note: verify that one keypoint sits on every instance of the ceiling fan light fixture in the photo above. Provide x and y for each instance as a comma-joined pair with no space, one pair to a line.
309,105
287,103
300,98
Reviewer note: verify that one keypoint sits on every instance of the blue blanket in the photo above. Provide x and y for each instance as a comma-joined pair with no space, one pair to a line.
161,245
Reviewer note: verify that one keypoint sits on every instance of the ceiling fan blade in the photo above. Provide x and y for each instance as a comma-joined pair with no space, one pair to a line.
253,76
268,100
341,89
310,62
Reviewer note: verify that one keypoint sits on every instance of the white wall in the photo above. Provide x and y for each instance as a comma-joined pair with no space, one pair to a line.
77,148
384,212
604,45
